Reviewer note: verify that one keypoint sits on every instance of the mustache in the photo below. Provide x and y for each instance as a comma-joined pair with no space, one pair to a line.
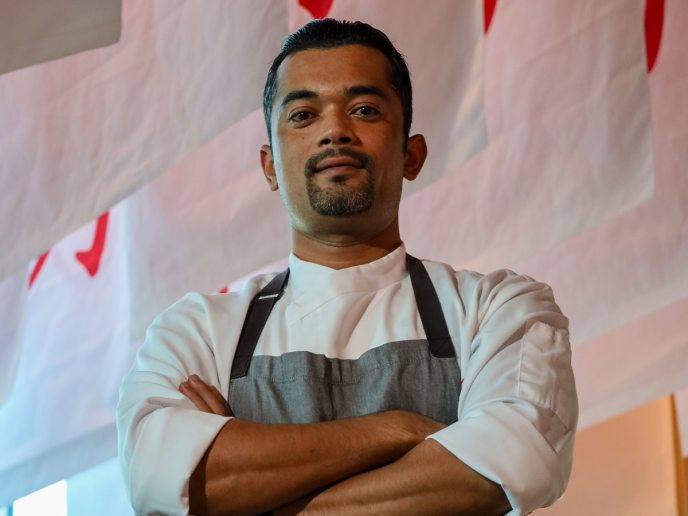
312,162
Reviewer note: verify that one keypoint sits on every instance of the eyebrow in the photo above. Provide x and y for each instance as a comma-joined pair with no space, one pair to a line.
351,91
298,95
365,89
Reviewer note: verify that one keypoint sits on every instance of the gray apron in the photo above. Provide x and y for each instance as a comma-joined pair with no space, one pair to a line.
302,387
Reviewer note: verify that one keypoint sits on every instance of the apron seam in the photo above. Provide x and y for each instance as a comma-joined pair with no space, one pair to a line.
368,370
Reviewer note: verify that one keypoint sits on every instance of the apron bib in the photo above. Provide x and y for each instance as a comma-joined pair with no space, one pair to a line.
421,375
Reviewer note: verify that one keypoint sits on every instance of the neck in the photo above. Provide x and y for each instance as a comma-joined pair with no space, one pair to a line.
339,251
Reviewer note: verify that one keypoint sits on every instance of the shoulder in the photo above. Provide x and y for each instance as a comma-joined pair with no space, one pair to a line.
197,308
191,315
501,292
477,282
200,319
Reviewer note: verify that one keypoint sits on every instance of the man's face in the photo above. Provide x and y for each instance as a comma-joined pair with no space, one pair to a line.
338,155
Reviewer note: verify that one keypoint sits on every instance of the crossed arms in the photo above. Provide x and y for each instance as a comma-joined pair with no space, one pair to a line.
377,464
516,424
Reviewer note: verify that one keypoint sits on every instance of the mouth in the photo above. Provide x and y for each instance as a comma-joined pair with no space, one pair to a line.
339,164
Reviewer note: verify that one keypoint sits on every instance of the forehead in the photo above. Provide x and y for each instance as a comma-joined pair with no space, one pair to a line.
333,69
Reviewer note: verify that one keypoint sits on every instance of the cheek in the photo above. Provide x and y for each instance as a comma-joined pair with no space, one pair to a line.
293,149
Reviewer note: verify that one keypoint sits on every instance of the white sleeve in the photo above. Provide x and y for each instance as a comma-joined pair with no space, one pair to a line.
162,436
518,407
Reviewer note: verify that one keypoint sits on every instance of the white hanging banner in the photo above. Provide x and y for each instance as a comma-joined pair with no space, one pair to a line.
623,284
73,346
568,113
79,134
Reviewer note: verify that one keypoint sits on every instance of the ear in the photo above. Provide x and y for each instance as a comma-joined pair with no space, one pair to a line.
416,152
268,165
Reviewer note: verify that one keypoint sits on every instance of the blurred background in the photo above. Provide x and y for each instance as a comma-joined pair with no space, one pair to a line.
129,172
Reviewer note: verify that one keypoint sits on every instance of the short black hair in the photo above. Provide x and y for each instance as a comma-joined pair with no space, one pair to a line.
330,33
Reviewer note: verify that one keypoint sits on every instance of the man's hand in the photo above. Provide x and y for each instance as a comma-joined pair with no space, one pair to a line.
206,397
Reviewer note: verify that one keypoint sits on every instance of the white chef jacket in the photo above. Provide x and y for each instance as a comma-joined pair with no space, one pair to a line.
517,409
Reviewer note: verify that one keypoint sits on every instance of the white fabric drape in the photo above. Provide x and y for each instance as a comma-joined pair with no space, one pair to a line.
86,131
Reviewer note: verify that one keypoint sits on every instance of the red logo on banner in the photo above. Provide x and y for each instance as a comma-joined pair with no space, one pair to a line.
489,7
317,8
89,258
654,20
37,268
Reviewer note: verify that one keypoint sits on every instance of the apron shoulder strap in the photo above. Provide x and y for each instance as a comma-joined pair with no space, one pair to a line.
430,310
258,313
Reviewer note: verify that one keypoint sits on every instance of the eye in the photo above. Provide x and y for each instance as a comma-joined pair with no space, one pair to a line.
366,111
301,116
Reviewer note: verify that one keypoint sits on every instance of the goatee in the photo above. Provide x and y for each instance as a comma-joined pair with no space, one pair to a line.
339,199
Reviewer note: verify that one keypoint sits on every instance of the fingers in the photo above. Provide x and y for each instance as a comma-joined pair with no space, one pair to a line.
196,398
217,402
205,397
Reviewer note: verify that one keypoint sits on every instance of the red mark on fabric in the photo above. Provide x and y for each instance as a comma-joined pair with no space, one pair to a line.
37,268
654,21
223,290
317,8
90,259
489,7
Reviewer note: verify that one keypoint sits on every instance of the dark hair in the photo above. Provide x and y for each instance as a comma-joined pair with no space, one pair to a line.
329,33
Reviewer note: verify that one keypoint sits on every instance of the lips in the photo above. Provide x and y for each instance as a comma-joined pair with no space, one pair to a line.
339,161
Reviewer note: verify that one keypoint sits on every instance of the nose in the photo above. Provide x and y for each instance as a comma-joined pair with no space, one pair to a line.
337,130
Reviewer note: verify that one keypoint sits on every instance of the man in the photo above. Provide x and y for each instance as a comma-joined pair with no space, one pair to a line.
364,381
